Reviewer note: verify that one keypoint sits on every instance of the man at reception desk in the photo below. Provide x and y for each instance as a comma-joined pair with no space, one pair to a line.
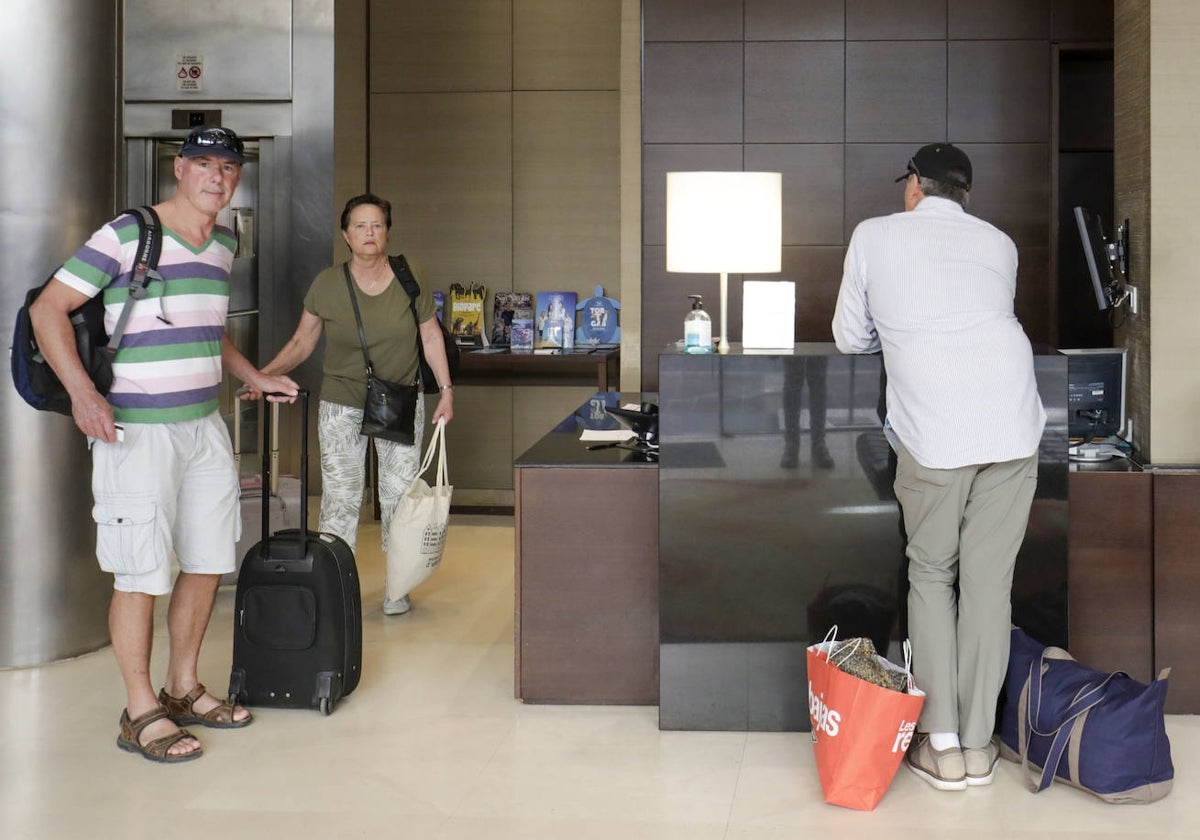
933,288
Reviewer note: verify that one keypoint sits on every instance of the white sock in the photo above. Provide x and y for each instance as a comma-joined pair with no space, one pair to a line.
943,740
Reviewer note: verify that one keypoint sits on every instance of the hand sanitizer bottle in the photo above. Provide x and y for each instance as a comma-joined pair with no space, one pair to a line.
697,328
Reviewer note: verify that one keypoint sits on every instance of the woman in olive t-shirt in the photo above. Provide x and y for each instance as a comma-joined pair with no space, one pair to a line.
392,346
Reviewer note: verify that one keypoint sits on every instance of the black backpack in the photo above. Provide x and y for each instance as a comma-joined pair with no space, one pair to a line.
32,375
409,282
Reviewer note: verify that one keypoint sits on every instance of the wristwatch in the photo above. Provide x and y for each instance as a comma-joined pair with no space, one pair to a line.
446,388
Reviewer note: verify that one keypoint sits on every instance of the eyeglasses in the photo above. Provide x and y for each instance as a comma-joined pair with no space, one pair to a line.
219,137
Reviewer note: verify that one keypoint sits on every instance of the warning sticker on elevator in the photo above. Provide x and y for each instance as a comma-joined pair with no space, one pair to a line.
189,73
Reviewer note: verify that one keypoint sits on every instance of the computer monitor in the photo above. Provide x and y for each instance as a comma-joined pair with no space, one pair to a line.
1095,392
1105,259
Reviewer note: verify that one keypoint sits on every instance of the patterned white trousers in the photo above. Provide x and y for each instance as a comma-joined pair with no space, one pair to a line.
343,469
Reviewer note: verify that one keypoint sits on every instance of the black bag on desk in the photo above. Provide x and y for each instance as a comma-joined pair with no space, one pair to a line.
297,630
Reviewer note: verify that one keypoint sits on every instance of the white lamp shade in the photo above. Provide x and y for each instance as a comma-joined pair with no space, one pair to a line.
730,222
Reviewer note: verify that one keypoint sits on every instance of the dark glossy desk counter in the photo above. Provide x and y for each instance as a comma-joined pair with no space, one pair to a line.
758,559
586,621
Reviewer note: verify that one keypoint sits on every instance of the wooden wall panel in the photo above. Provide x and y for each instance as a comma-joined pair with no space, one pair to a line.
813,175
693,93
692,20
451,45
974,72
1033,305
1110,571
566,45
871,171
1176,587
912,20
885,103
999,92
795,92
444,160
795,20
1012,189
1014,19
817,272
566,197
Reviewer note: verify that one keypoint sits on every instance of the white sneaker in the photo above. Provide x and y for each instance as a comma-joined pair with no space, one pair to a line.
398,607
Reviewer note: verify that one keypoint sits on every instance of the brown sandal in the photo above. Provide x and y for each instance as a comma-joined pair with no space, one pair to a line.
156,750
219,716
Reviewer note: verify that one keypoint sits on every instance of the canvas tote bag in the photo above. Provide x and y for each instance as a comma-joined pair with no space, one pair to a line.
418,532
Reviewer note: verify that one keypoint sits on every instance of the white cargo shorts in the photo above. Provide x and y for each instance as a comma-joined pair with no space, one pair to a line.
167,487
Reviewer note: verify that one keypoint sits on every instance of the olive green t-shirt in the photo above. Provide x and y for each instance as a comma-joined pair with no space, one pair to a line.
391,334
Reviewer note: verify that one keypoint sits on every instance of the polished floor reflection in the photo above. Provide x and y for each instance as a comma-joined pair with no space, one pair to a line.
433,745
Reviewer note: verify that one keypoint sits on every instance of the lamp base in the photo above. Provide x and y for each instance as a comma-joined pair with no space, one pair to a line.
723,339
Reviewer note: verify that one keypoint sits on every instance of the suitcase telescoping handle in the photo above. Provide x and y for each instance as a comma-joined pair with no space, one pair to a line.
300,547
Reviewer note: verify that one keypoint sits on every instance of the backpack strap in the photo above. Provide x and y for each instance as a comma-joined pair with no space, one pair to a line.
409,282
145,269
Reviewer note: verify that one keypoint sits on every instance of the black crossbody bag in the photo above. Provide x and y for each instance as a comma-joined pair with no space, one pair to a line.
390,411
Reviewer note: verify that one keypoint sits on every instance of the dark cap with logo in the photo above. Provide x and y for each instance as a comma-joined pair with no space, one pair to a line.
214,141
941,162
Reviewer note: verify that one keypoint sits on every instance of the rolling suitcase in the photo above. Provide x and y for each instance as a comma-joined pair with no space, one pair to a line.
283,498
297,619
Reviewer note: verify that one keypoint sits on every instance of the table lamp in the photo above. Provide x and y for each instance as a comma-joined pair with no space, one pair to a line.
724,222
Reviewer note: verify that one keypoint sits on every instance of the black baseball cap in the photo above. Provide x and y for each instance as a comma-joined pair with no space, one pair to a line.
213,140
941,162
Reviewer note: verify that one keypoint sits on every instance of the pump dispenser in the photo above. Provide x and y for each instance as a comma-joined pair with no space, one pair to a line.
697,328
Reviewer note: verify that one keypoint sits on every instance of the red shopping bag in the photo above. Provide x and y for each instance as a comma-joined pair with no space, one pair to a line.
860,730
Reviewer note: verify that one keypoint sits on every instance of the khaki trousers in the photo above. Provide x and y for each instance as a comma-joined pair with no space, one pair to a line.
965,526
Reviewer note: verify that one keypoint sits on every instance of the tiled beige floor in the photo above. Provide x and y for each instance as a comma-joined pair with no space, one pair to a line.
433,745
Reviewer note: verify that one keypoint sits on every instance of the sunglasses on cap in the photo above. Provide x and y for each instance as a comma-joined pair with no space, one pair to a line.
215,139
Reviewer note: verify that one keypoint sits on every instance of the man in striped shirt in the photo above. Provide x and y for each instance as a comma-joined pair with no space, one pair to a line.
163,476
933,288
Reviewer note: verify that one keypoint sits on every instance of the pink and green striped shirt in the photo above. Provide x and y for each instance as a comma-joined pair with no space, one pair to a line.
168,367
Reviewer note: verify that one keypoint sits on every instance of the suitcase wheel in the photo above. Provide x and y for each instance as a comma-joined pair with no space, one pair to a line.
326,706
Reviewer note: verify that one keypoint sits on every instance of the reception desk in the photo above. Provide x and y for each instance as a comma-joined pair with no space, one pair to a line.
753,560
586,623
758,559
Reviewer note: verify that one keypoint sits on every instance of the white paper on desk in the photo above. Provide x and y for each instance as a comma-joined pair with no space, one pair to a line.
617,435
